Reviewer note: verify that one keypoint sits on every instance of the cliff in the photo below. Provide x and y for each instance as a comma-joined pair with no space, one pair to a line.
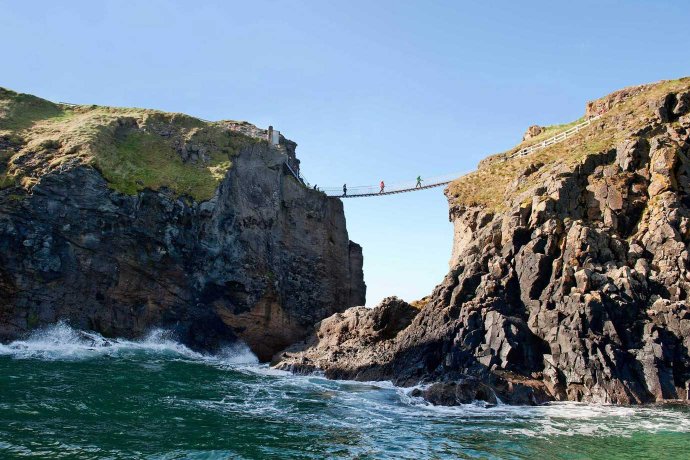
120,220
569,275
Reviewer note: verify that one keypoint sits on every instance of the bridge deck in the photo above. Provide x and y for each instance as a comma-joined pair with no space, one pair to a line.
391,192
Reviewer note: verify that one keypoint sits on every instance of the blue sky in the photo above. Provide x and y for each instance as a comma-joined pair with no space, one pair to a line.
369,90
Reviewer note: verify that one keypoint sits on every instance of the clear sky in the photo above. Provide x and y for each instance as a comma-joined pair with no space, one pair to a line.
369,90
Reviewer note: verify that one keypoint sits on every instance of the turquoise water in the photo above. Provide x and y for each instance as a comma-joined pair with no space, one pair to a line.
64,394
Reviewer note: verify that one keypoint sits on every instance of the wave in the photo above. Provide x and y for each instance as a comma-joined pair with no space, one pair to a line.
62,342
565,418
283,396
375,405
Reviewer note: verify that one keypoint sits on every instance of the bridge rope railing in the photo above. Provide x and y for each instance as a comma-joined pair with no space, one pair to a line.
400,187
411,186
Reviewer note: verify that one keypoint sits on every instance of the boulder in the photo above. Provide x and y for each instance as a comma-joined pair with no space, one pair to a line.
532,131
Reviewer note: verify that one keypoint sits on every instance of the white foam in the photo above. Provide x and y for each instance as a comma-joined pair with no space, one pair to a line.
237,353
367,403
561,418
62,342
383,401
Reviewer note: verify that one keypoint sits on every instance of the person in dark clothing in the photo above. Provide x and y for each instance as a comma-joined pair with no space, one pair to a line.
344,189
419,182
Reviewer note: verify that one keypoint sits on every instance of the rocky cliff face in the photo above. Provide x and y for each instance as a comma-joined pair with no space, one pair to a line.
120,220
569,277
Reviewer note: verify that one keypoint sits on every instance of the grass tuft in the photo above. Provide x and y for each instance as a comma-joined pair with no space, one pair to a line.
143,160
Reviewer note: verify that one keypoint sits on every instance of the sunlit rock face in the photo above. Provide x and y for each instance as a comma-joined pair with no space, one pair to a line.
262,259
569,275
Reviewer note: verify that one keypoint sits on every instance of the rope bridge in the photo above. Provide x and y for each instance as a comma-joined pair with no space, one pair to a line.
361,191
427,183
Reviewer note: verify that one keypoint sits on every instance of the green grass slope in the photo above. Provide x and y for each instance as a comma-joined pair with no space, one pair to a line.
134,149
492,185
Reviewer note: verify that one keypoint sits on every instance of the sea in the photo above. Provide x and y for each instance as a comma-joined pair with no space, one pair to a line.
69,394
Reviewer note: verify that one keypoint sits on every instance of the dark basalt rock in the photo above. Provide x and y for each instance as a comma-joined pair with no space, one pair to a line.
458,392
576,289
263,260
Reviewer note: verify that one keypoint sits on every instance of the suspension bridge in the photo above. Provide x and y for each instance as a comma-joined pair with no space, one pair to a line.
361,191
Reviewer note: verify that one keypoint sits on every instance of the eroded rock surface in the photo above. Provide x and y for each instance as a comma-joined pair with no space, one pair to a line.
571,286
532,131
262,260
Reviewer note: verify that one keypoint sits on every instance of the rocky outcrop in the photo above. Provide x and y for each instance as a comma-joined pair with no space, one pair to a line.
263,259
345,344
571,285
604,104
532,131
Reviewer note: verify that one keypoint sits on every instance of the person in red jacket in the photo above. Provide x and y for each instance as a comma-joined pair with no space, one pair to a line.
382,187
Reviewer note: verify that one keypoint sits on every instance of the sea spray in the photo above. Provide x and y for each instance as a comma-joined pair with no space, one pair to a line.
62,342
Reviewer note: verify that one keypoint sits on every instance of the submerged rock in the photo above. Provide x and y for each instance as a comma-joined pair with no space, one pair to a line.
453,393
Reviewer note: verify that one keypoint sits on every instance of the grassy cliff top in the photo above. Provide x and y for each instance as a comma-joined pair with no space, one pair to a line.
494,184
134,149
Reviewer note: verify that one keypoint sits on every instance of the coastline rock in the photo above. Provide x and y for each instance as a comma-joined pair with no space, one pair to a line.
569,283
345,339
458,392
262,260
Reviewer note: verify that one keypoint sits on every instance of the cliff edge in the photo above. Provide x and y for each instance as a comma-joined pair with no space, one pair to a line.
569,275
119,220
